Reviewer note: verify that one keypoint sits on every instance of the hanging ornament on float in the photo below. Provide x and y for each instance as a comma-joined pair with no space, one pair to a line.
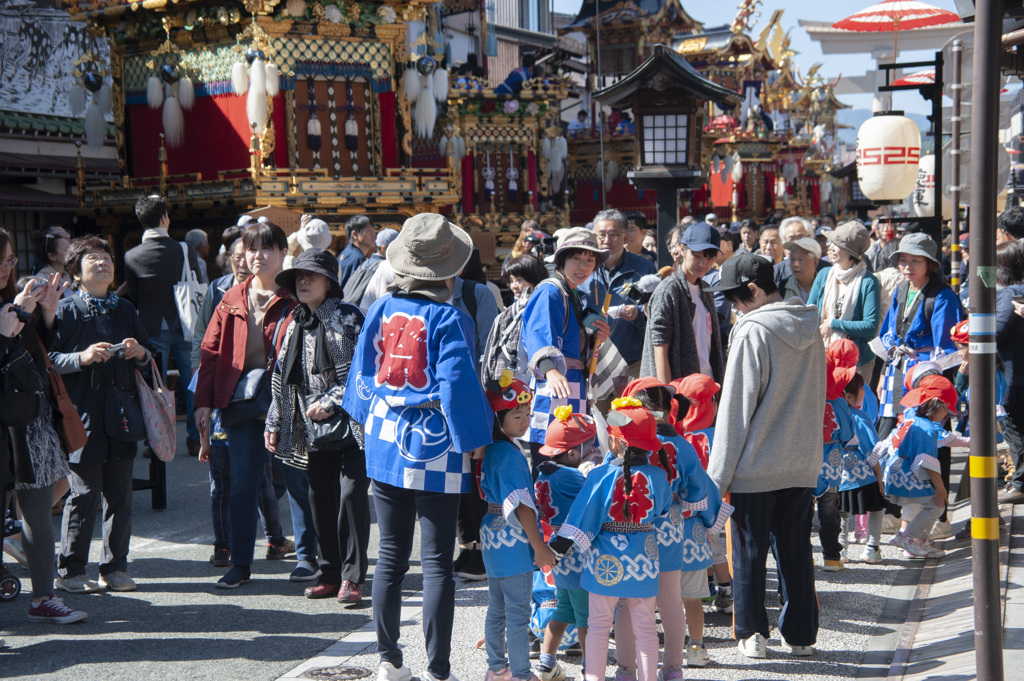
175,92
888,153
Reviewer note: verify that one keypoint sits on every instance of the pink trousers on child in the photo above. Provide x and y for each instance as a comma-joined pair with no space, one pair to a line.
645,633
670,605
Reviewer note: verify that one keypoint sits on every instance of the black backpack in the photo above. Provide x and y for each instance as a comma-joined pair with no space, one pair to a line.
356,285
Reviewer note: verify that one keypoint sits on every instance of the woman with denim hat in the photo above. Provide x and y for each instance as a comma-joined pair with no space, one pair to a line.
307,387
847,295
557,341
414,388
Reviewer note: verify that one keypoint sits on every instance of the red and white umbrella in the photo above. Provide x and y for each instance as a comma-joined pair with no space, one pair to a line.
893,15
923,77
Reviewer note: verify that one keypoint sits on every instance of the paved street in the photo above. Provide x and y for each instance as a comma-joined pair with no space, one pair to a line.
178,626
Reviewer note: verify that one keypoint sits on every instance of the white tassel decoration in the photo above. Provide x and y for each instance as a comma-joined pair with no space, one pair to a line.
443,145
186,93
239,78
258,77
174,122
460,148
714,163
256,110
611,173
76,100
737,167
154,92
411,84
545,148
563,149
273,79
727,165
426,112
106,99
95,126
440,85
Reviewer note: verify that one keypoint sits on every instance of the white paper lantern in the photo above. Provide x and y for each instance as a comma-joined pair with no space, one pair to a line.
923,197
888,152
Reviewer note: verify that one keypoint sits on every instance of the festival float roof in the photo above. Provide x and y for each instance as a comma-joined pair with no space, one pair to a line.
621,13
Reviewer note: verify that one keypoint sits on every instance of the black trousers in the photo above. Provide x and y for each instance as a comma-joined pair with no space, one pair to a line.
341,512
1013,433
778,521
472,509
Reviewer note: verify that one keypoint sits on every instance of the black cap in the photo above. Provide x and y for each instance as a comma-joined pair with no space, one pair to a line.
744,269
314,260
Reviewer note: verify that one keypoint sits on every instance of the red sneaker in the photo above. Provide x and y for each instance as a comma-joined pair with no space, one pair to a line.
52,609
350,592
321,591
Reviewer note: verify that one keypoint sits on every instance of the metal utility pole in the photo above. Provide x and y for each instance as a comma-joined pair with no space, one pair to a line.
954,151
988,631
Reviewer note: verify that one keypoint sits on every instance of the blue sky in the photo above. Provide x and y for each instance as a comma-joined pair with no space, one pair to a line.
719,13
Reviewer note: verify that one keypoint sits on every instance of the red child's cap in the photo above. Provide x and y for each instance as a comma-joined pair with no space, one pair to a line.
699,390
507,393
568,430
932,386
634,424
960,333
841,359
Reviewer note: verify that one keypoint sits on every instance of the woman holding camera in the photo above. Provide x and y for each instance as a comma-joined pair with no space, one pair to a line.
97,349
37,456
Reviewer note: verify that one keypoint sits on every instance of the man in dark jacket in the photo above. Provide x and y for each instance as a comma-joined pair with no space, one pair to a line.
361,244
151,270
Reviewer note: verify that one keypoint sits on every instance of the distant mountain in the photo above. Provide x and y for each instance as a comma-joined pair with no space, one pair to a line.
855,117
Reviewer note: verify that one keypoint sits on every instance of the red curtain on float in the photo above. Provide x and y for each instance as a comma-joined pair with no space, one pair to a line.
622,195
216,138
531,171
468,199
388,130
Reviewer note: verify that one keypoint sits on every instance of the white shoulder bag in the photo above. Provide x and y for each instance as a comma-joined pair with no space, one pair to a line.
188,296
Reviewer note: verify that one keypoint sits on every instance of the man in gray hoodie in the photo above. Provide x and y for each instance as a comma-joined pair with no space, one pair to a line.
767,452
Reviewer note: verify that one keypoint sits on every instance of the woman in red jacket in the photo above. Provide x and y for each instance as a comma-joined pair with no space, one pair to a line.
245,334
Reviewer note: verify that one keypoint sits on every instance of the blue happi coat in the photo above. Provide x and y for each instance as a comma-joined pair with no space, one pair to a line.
551,332
414,388
697,508
837,430
505,481
620,557
556,487
909,452
860,454
929,341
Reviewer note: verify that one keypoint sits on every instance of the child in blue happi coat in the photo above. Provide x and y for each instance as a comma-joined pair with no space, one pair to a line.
684,554
960,336
911,466
509,534
841,362
860,489
697,425
559,481
612,524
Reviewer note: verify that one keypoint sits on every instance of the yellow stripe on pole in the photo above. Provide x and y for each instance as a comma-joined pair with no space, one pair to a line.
983,466
985,528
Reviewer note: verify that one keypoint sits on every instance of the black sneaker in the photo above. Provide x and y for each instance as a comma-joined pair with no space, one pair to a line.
280,551
465,555
474,570
235,577
220,558
535,649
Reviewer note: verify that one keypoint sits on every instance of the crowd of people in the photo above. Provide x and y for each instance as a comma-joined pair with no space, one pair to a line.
396,369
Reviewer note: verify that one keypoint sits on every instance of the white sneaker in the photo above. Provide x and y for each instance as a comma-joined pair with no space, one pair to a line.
427,676
557,673
754,647
872,555
891,524
389,672
697,655
942,531
79,584
914,547
797,651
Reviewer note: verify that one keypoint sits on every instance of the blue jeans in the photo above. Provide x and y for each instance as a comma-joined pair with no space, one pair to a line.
297,482
397,510
220,496
248,458
170,343
508,620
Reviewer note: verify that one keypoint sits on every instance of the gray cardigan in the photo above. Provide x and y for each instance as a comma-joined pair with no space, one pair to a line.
670,321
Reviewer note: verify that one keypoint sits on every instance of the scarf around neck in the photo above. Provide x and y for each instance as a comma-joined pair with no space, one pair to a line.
100,305
306,321
851,279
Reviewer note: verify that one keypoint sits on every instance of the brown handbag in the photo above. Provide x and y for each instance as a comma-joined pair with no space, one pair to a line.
71,430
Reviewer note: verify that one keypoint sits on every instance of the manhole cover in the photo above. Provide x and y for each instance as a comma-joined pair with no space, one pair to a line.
337,673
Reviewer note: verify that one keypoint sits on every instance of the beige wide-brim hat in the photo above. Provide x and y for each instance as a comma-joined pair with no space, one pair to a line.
583,239
430,248
852,237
